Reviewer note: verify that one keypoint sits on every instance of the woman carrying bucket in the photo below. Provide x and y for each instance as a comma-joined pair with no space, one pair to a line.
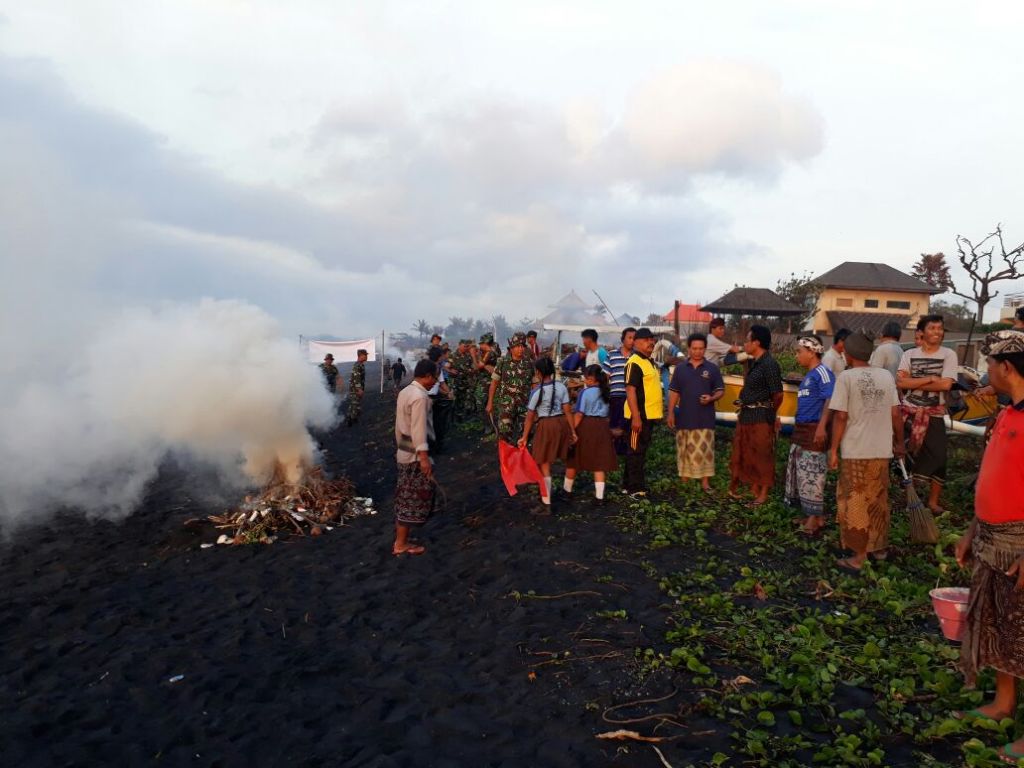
994,635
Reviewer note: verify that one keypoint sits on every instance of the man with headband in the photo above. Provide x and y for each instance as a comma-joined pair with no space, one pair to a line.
808,459
994,544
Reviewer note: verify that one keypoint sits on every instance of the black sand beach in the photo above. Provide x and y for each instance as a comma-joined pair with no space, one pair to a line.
329,650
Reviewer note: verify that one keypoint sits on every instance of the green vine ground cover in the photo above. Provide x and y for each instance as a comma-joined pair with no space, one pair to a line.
802,664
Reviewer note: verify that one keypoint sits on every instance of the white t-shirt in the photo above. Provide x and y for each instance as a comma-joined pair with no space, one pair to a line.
596,357
834,361
920,364
868,396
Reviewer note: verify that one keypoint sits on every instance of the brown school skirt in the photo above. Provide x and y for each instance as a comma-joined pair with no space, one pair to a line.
551,440
753,454
594,450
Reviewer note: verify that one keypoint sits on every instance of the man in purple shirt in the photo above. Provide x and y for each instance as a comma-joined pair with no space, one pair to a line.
696,385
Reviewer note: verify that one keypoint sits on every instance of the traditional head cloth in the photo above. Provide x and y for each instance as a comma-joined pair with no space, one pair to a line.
859,346
487,338
518,339
811,343
1006,342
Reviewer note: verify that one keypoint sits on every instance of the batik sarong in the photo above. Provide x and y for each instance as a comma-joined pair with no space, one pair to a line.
995,614
414,495
695,453
805,480
862,499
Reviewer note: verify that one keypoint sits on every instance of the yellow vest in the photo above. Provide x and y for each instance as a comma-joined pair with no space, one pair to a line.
652,396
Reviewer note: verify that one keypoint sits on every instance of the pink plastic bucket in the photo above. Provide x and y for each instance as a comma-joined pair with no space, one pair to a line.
950,604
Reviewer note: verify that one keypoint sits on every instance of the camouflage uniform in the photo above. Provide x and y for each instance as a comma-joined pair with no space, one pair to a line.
483,376
356,385
330,372
463,381
514,378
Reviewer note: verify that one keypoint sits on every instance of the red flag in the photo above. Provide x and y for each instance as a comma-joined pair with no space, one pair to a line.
518,468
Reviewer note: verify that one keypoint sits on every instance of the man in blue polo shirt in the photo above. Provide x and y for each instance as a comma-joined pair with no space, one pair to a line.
695,387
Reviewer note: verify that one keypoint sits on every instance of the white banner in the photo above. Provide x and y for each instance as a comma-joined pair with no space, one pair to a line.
343,351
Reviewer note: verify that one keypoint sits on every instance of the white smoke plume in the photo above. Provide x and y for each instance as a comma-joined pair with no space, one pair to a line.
214,380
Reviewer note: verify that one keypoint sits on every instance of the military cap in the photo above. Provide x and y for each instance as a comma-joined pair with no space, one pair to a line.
487,338
518,339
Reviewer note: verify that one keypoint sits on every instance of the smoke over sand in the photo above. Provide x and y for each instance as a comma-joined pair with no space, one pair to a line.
214,381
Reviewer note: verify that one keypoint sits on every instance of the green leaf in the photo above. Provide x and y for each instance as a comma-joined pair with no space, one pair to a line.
766,717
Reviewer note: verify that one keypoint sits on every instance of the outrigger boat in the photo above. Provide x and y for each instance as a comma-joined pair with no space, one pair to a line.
970,421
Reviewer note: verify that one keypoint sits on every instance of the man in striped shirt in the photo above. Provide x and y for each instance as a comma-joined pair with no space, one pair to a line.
615,367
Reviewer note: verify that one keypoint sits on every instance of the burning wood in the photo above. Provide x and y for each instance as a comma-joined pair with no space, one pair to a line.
311,505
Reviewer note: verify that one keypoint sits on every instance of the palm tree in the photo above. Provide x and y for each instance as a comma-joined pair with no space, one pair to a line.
422,327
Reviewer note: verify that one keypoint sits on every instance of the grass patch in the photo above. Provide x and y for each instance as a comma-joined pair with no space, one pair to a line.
801,663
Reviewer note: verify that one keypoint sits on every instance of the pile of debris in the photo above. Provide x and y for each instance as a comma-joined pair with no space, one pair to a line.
310,507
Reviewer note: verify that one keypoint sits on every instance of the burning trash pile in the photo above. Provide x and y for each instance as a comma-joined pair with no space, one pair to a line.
311,507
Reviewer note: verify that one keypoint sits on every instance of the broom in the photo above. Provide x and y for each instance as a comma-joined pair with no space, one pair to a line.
922,523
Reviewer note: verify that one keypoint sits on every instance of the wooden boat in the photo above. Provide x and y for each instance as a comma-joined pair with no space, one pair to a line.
979,408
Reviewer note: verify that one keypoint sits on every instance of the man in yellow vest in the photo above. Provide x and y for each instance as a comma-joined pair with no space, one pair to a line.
643,409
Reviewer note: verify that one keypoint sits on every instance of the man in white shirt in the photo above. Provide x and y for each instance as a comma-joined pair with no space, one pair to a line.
595,355
719,351
833,359
414,492
925,375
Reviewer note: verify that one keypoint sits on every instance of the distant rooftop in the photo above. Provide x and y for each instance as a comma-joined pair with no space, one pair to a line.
868,275
753,301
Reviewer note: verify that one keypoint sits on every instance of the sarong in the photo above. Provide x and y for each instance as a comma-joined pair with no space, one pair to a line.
995,614
414,495
695,453
862,498
593,451
753,454
551,440
805,480
929,463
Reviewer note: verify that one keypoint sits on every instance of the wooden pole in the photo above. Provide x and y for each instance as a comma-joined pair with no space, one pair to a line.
675,318
380,357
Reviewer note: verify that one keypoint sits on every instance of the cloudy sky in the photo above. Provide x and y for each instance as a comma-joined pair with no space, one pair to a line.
353,166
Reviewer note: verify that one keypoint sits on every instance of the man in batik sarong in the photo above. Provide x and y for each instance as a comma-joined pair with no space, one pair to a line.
414,492
808,458
753,444
994,543
510,389
867,429
695,387
356,388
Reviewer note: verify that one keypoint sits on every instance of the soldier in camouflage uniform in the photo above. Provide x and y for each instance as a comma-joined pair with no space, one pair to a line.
463,379
487,359
330,372
356,386
510,389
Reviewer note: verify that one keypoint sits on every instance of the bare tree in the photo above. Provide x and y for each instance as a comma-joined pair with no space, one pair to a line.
981,262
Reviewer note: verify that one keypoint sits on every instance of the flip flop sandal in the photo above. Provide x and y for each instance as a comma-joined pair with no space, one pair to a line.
411,551
844,565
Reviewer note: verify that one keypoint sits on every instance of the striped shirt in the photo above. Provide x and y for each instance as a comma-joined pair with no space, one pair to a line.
615,367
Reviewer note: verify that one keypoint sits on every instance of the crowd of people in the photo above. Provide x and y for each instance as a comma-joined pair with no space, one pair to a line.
860,406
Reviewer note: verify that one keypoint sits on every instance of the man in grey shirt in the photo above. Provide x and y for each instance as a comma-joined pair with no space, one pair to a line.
888,353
